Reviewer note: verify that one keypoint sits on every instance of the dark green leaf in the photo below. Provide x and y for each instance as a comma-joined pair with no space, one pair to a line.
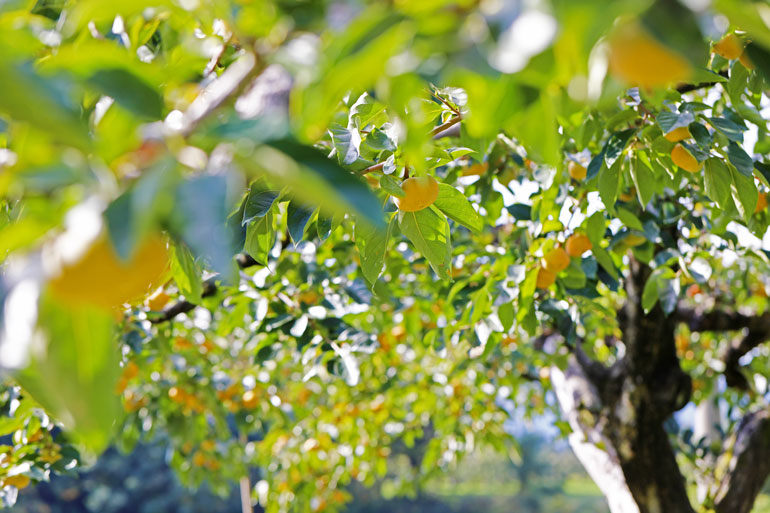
200,219
717,181
740,159
731,130
297,218
258,203
616,144
129,91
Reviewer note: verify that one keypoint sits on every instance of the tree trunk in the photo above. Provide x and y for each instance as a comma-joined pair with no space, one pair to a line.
620,411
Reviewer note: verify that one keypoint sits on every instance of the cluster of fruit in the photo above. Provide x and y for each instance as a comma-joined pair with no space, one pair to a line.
558,259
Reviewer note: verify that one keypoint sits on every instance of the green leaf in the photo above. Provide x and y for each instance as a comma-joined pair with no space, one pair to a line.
129,91
324,226
142,208
260,237
740,159
668,121
760,57
479,304
526,295
717,181
428,230
186,273
605,260
629,219
297,218
258,203
744,193
372,245
391,186
505,314
456,206
739,79
731,130
644,180
596,165
200,216
27,96
650,294
616,144
595,228
609,183
661,285
347,142
74,374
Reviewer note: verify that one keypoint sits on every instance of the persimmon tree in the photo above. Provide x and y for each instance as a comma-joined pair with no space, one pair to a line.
296,238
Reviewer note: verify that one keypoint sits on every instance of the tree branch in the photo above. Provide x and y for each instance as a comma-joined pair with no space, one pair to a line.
228,84
244,260
746,463
180,307
686,88
758,332
722,320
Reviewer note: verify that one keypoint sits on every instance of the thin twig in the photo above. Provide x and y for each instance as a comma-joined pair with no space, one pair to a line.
375,167
244,260
445,126
449,106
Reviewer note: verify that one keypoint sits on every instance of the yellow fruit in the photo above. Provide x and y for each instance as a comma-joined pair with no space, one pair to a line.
761,202
477,169
637,58
374,183
729,47
684,159
176,394
19,481
556,260
199,459
545,278
250,399
101,278
576,171
158,300
678,134
744,59
420,192
131,370
181,344
578,244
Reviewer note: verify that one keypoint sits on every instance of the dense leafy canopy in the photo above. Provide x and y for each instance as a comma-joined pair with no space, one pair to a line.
299,321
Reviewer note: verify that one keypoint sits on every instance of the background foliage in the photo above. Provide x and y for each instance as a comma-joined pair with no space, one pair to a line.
303,325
